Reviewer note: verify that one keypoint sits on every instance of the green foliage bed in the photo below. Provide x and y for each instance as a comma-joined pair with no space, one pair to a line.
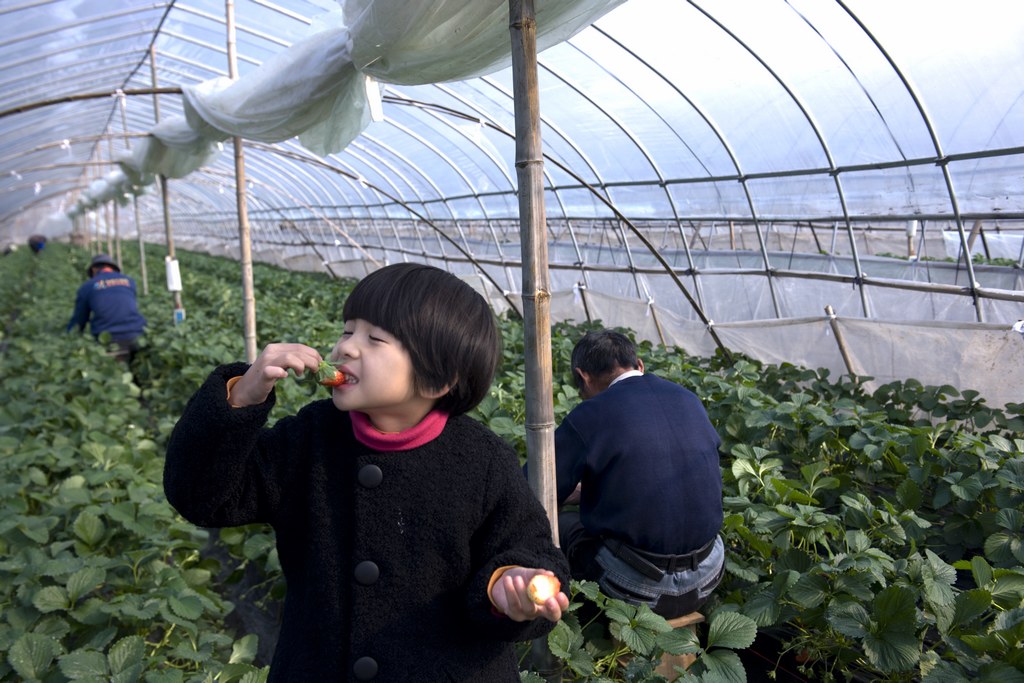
875,536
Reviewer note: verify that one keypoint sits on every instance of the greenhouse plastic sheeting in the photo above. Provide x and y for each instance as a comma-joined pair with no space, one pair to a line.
705,161
987,358
323,89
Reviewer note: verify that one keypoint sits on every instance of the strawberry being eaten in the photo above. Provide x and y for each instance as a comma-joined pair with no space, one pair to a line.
328,375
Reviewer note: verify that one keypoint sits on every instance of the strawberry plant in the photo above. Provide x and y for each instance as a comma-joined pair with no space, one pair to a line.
99,580
876,534
635,640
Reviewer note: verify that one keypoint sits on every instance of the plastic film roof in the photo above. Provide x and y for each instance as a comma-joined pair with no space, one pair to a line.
726,160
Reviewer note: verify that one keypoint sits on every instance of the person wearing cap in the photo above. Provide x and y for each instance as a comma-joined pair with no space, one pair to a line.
107,303
37,243
640,457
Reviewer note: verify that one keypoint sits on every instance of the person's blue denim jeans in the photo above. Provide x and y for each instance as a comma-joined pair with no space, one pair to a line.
674,595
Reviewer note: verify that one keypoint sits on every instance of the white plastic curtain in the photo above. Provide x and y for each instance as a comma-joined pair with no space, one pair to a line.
322,89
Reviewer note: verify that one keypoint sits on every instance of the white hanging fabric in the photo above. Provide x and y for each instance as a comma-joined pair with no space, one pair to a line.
321,89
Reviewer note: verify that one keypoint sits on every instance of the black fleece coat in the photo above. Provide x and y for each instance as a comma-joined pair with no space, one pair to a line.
387,555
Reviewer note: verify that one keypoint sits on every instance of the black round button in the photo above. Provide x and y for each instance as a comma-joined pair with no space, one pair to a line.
367,572
365,669
370,476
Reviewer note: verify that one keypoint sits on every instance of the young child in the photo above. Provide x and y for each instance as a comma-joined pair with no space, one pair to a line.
406,530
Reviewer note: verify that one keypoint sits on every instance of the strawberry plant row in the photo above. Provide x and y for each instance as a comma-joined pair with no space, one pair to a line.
876,534
99,579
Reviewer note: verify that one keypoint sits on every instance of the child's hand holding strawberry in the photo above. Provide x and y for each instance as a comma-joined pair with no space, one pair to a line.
515,597
272,365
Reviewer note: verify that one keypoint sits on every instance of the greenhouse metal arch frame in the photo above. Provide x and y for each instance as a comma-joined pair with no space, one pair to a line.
709,141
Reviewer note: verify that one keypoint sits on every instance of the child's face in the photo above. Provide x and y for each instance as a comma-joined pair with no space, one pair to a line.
380,380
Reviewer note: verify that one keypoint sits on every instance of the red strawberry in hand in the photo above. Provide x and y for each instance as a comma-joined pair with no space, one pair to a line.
328,375
542,587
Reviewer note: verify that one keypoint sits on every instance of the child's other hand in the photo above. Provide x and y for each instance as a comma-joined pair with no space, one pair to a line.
510,596
272,365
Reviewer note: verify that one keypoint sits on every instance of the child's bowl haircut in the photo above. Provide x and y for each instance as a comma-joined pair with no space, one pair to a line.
445,325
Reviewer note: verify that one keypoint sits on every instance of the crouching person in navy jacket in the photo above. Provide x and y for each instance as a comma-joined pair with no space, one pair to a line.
107,303
640,456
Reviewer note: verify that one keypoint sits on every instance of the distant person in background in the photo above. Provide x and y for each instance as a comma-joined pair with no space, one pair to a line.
107,303
640,456
36,243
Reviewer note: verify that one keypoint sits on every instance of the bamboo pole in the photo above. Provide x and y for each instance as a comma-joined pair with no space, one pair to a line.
245,255
244,230
92,224
540,420
117,217
117,235
540,413
172,259
123,103
834,323
142,247
582,289
152,78
108,220
657,323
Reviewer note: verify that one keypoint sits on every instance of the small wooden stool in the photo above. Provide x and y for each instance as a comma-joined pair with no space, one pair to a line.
668,662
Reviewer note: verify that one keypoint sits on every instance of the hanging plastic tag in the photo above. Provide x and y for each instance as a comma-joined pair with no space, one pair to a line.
173,274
